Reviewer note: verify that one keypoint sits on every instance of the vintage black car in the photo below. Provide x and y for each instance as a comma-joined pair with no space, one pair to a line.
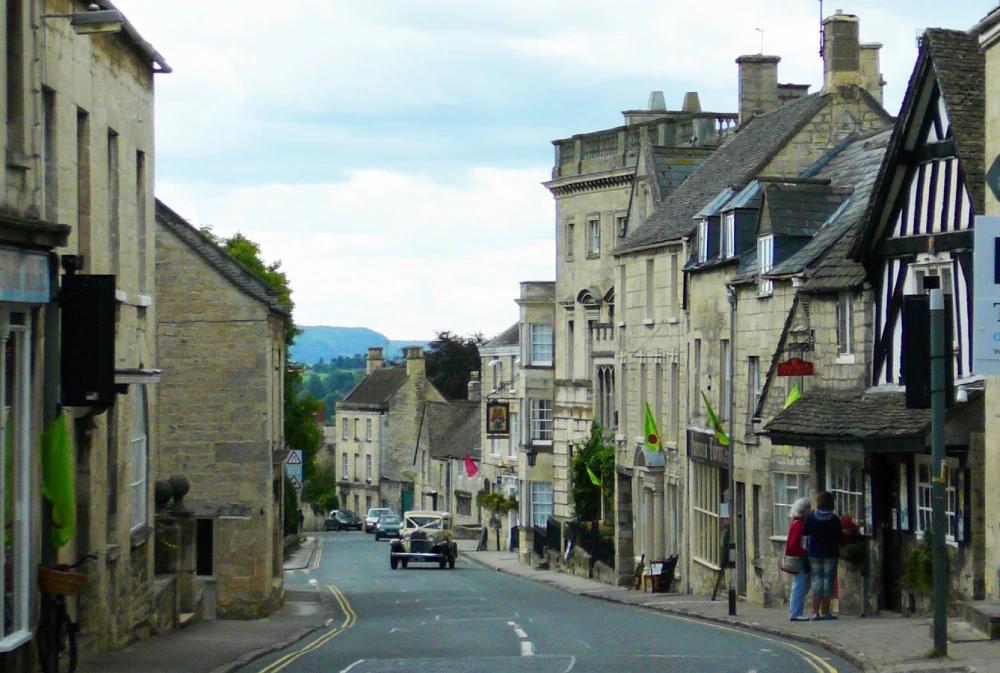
426,537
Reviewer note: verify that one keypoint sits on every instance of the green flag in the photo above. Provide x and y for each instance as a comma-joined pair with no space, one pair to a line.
57,480
720,433
652,436
793,395
593,478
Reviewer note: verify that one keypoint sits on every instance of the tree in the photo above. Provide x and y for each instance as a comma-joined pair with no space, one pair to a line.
321,490
600,458
451,359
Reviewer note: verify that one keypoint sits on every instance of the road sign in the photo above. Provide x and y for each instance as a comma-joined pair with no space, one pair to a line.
296,483
986,295
293,467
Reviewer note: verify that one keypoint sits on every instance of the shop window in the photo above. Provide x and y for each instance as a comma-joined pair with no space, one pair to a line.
708,490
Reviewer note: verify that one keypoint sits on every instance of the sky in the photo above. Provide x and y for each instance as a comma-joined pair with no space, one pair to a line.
390,154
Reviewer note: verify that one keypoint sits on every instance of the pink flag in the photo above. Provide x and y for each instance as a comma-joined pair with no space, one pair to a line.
470,466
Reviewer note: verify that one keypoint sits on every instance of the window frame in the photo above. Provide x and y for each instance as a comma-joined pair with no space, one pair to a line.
539,346
541,427
781,501
368,466
728,244
754,389
542,501
953,484
139,463
594,236
845,323
765,262
569,240
706,494
846,499
368,429
512,442
343,428
703,230
345,465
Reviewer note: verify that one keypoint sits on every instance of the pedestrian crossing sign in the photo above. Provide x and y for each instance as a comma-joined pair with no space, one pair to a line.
296,483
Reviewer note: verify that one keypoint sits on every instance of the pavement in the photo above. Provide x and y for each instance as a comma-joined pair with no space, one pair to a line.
222,645
887,643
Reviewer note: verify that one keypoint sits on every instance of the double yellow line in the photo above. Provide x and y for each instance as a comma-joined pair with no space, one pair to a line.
317,554
814,660
350,617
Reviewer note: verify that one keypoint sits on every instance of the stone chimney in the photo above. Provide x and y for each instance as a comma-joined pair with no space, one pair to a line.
656,102
374,360
475,388
841,51
871,75
415,365
691,102
758,85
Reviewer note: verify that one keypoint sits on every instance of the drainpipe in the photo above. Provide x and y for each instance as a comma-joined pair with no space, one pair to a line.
731,365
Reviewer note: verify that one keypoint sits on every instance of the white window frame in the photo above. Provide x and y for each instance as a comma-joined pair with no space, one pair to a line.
497,371
594,236
368,429
787,488
703,240
923,496
541,420
357,423
845,323
725,380
540,343
368,466
494,447
845,480
541,502
18,411
729,234
512,443
706,497
345,465
343,428
139,465
765,262
753,385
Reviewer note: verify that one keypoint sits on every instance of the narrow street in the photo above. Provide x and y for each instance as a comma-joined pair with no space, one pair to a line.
475,619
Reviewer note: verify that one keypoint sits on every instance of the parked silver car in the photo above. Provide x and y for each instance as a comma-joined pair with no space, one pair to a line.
373,515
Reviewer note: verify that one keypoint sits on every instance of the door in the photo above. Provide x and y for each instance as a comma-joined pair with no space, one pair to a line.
407,503
888,484
741,538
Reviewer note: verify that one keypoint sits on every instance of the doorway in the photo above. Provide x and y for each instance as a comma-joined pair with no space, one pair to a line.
741,538
889,484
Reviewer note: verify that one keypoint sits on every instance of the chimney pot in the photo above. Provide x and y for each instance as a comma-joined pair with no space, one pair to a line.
841,51
375,359
657,102
758,85
691,102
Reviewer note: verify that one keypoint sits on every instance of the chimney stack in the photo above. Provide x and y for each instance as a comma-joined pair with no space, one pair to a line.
871,77
475,388
841,51
656,102
758,85
415,365
691,102
374,360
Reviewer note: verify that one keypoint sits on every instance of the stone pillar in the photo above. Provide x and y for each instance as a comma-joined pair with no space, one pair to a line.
658,523
649,523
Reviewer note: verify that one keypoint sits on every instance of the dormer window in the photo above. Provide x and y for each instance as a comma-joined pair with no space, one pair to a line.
765,262
703,240
728,234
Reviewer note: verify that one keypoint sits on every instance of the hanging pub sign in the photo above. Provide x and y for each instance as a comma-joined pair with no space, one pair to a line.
795,367
497,419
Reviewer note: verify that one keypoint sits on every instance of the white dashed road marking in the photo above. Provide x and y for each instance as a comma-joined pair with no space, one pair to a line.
527,649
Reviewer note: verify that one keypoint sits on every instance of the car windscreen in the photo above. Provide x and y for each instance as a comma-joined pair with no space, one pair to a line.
348,514
432,522
388,519
379,512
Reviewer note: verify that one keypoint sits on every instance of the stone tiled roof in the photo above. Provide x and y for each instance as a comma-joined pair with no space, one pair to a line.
377,388
453,429
732,165
960,66
509,337
849,415
800,210
227,265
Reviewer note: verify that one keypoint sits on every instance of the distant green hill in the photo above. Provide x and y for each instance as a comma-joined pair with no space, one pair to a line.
330,342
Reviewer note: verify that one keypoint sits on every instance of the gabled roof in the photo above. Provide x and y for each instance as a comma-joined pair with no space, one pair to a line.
453,429
800,210
220,260
509,337
954,60
377,388
732,165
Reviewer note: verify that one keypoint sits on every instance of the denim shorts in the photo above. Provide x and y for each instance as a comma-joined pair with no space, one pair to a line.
824,570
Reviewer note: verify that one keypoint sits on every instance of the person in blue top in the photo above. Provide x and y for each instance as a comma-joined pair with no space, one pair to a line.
825,534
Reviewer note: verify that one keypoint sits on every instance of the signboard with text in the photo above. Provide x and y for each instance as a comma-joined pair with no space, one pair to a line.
986,296
293,468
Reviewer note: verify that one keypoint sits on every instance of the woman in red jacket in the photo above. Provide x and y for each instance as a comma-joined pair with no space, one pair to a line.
794,548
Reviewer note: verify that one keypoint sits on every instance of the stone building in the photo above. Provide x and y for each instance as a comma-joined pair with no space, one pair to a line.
78,182
674,273
220,334
379,422
868,448
594,183
449,431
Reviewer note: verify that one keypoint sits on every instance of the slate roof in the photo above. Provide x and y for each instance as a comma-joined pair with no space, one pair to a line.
733,165
850,415
800,210
377,388
220,260
509,337
453,429
960,66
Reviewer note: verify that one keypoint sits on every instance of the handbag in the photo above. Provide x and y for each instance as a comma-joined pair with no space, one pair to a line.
791,564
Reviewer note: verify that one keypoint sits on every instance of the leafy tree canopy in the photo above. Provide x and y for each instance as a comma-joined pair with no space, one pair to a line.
600,458
451,359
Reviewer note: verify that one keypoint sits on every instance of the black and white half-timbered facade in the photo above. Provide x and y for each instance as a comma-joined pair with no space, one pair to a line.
918,227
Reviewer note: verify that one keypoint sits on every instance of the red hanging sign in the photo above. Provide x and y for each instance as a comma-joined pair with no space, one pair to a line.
795,367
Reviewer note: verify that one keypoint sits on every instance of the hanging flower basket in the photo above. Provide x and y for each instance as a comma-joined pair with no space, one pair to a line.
855,550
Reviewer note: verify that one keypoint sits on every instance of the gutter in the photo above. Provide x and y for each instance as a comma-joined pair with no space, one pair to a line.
144,47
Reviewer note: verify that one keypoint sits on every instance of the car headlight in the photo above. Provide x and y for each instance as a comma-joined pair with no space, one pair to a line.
430,538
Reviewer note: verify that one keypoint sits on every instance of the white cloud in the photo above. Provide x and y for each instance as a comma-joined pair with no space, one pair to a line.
401,254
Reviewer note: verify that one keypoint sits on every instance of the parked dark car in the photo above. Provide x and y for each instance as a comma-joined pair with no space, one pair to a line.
342,519
388,525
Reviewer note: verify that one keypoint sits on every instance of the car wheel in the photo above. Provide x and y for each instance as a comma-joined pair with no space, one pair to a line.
405,563
443,562
394,562
451,562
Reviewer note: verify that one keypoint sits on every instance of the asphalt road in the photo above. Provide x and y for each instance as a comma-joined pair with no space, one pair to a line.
474,619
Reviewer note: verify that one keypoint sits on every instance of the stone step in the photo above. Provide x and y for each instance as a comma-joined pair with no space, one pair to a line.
185,618
984,615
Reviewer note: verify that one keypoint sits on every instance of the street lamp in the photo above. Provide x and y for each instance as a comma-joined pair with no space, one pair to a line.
93,21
